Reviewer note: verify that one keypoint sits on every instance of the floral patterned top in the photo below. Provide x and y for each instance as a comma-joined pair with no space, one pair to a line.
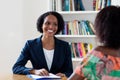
98,66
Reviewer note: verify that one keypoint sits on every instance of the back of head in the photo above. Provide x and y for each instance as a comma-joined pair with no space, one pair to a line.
107,26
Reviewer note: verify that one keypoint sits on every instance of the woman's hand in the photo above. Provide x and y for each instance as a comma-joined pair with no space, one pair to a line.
40,72
61,74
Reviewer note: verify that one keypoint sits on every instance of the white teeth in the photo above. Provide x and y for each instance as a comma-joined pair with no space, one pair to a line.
50,30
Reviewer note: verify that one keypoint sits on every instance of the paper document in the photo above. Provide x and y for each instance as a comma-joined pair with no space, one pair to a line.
50,77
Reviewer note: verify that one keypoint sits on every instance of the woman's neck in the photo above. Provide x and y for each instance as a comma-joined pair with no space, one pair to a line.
48,42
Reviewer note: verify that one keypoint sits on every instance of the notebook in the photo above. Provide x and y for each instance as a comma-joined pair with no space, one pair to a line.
50,77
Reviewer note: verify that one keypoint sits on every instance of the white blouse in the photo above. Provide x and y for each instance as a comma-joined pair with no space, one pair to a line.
49,57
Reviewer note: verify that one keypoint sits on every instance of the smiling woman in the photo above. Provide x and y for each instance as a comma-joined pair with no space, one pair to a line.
46,53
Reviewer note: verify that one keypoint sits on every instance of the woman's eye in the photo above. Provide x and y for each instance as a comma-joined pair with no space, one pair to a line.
55,24
48,23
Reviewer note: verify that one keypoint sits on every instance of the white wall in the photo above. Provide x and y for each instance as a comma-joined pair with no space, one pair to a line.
17,24
32,11
115,2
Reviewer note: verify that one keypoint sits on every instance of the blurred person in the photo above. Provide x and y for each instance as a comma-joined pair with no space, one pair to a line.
103,62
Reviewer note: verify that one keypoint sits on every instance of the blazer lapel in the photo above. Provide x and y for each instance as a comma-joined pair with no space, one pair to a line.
41,54
56,57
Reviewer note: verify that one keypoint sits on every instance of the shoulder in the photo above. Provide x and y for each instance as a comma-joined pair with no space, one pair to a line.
33,41
108,51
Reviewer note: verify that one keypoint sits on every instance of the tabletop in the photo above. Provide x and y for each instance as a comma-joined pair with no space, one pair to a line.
18,77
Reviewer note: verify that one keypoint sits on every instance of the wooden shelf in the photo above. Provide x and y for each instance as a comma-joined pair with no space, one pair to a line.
78,12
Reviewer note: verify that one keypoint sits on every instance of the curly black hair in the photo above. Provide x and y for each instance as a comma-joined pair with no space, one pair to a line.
107,26
59,17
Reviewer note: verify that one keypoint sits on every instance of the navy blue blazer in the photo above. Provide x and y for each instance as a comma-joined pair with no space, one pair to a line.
33,51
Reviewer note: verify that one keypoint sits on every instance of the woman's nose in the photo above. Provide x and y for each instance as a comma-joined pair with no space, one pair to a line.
51,26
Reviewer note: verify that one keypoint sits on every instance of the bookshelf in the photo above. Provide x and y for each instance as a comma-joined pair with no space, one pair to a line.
69,15
79,38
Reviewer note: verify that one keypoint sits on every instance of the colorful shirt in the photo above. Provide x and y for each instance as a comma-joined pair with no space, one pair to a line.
98,66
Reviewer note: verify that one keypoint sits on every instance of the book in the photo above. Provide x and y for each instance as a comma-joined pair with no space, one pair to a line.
65,31
90,29
83,49
65,5
77,50
74,51
82,5
50,77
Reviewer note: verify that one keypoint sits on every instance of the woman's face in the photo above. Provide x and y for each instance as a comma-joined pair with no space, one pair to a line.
50,25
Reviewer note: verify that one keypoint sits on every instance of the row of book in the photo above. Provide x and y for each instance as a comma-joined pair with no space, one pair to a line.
79,50
79,5
99,4
67,5
75,27
72,5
